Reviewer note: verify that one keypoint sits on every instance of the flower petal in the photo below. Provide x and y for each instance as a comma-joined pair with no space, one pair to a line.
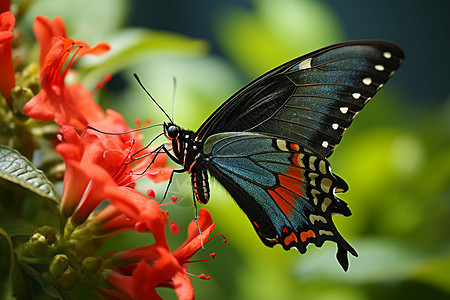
7,81
99,49
190,247
183,286
44,31
204,221
7,21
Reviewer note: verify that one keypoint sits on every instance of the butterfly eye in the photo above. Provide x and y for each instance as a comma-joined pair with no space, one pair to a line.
172,131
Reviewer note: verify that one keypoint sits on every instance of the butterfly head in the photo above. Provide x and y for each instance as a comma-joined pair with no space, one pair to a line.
171,131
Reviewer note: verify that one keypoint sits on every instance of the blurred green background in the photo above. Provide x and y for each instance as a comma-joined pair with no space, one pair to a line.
395,156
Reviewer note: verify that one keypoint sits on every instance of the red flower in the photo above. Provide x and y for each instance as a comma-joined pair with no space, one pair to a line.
7,81
71,105
143,269
98,168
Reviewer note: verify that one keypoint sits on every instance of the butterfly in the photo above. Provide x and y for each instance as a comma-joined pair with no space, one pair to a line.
268,143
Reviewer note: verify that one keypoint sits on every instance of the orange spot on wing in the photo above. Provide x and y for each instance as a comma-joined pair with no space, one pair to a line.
256,224
290,238
307,234
295,147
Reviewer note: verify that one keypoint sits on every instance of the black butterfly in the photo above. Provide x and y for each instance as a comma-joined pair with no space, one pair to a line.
268,144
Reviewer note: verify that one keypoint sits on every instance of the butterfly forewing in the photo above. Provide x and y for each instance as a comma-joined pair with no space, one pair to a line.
312,99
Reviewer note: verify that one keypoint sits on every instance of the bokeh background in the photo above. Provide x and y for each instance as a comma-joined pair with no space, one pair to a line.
395,156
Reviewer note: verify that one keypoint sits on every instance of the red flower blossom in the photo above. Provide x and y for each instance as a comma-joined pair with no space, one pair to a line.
7,81
97,168
71,105
143,269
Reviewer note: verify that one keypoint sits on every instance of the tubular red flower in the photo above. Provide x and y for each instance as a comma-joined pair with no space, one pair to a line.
157,259
7,81
97,168
71,105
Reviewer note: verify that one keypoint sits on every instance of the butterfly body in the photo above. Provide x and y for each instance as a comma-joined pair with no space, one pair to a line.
268,144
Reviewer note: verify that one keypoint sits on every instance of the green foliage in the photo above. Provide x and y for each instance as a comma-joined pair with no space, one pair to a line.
275,32
16,168
394,157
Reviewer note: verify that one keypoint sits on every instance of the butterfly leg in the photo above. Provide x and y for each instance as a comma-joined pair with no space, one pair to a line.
196,219
148,145
156,152
170,182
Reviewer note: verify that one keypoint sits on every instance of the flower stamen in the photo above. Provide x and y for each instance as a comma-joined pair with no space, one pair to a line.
213,256
174,199
201,276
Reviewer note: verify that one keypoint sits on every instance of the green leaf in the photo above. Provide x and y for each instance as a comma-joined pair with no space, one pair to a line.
379,260
43,279
16,227
15,279
131,47
276,31
16,168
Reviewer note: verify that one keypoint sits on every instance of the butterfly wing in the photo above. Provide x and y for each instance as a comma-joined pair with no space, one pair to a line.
312,99
286,190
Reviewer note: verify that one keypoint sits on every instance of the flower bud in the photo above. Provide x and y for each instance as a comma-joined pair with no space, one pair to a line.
58,265
20,96
37,245
91,264
49,233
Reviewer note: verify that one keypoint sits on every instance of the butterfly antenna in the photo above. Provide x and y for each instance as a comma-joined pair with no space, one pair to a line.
124,132
173,96
151,97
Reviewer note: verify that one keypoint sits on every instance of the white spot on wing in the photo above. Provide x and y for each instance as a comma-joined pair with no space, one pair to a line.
367,81
344,109
356,95
387,54
325,232
325,144
306,64
379,68
282,145
322,167
335,126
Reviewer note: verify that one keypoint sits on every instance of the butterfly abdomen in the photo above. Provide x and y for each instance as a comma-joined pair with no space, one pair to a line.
199,179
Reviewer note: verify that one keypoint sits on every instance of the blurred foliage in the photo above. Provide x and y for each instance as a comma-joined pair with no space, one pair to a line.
394,157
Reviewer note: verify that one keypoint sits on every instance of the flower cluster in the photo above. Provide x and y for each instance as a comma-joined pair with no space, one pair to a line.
99,199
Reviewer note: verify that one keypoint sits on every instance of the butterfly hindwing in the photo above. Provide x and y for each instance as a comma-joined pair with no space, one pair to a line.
312,99
286,190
